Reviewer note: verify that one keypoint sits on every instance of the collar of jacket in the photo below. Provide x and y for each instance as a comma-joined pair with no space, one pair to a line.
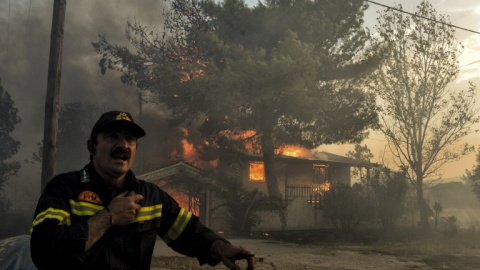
90,175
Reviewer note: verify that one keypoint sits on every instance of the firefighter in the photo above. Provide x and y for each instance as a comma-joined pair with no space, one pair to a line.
102,217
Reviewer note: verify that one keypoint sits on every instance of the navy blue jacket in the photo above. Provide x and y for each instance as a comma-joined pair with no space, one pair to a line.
59,229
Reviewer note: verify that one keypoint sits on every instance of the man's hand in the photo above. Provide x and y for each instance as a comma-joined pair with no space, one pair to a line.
229,253
122,212
123,209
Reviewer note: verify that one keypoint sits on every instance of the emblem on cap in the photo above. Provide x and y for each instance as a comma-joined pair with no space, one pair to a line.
122,116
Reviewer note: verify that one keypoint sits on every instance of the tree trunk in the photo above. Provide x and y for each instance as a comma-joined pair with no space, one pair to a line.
268,159
422,206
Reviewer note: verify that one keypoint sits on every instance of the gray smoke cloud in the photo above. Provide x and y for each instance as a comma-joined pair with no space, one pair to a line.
25,28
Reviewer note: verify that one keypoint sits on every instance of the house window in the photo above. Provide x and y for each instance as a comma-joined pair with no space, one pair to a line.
320,173
257,171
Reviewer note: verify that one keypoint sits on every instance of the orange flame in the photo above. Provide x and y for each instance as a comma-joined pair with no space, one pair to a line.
322,188
182,200
294,151
247,138
257,171
190,154
245,135
250,142
191,70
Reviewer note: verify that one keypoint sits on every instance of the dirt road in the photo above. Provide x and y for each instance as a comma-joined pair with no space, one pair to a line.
288,256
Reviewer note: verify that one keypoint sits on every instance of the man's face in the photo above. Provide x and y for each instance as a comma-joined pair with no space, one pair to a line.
114,153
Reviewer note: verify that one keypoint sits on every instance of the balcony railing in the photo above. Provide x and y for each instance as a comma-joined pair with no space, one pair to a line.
312,193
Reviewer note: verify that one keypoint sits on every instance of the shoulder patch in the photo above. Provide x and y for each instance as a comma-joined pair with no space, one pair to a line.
89,196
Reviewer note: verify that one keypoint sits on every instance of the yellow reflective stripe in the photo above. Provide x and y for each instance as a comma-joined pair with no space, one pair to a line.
62,216
148,213
84,208
178,226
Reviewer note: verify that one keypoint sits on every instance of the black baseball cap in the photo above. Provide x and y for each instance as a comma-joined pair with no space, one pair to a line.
117,119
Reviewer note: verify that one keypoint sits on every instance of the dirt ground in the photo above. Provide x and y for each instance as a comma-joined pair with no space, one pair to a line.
302,252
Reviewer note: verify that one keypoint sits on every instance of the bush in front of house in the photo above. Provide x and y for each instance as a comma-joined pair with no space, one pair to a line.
236,205
347,206
390,191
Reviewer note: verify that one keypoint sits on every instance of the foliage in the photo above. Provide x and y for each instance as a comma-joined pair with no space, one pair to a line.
361,153
74,126
347,206
390,190
451,228
422,120
473,177
287,70
8,145
37,156
238,203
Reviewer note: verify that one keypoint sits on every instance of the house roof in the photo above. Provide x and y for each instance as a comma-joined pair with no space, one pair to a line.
329,157
179,169
324,157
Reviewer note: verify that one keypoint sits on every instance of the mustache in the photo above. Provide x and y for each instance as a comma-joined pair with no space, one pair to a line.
120,151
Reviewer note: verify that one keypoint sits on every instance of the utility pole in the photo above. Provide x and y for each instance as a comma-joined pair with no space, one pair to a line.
53,93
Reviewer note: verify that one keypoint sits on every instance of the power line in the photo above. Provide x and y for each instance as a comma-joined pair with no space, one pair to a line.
471,63
430,19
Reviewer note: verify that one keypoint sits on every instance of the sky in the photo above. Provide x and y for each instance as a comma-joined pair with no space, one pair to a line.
25,27
462,13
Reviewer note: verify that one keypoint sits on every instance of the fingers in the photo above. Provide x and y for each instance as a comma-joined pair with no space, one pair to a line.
124,209
136,198
132,195
232,253
230,264
251,262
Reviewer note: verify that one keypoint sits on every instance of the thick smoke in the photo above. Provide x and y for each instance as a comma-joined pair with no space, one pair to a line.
25,28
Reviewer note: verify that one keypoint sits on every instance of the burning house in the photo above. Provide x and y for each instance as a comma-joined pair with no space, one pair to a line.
302,182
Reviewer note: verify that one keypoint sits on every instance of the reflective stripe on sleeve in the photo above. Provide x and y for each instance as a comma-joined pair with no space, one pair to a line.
62,216
89,209
178,226
148,213
84,208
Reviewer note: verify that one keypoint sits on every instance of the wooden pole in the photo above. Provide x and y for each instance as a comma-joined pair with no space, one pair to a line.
53,93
